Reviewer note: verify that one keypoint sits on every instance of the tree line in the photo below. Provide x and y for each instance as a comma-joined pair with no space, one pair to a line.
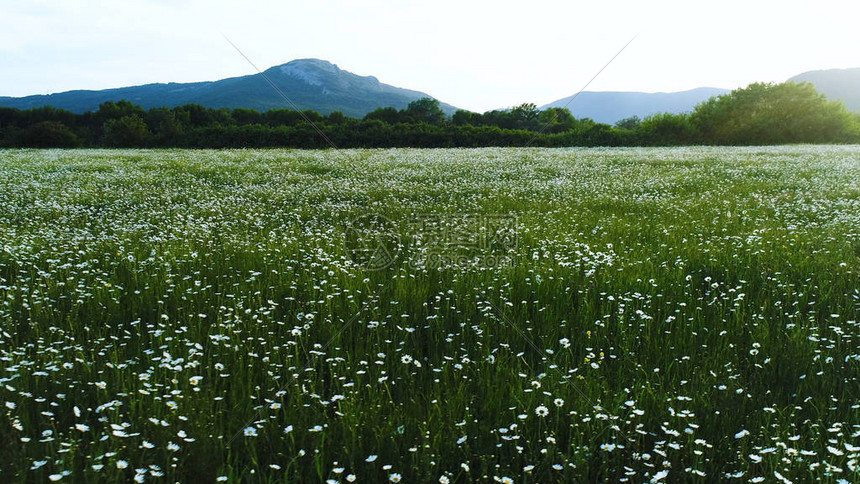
759,114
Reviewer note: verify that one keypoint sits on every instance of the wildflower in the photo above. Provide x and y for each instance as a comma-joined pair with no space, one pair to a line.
82,427
660,476
507,480
781,477
742,434
607,447
351,478
542,411
834,450
371,458
558,402
406,359
275,406
121,464
55,477
250,432
465,466
528,468
394,477
195,380
102,385
444,480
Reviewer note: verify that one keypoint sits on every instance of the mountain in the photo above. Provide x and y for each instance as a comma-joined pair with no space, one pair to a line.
609,107
312,84
836,84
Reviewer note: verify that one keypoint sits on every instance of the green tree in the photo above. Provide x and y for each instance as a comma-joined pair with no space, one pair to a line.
127,131
115,110
464,118
336,117
166,129
246,116
195,115
666,129
49,134
525,116
282,117
425,110
312,116
501,119
771,114
630,123
557,120
387,115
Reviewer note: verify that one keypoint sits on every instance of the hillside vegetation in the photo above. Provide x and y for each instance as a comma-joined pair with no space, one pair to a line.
759,114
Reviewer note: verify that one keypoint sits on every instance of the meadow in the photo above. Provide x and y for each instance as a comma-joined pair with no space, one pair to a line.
448,315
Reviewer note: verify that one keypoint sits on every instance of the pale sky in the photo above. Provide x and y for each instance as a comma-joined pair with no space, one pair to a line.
476,55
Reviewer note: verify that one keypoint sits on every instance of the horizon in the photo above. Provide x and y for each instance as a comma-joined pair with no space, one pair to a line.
510,57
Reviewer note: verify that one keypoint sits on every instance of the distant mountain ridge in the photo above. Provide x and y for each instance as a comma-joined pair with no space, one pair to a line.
321,86
609,107
312,84
836,84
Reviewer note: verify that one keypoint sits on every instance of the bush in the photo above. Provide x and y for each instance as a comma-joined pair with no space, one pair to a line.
48,134
666,129
126,132
773,114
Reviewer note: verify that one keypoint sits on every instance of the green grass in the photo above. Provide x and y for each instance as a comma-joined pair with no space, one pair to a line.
695,309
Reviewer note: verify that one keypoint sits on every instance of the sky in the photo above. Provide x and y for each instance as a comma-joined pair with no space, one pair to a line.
476,55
